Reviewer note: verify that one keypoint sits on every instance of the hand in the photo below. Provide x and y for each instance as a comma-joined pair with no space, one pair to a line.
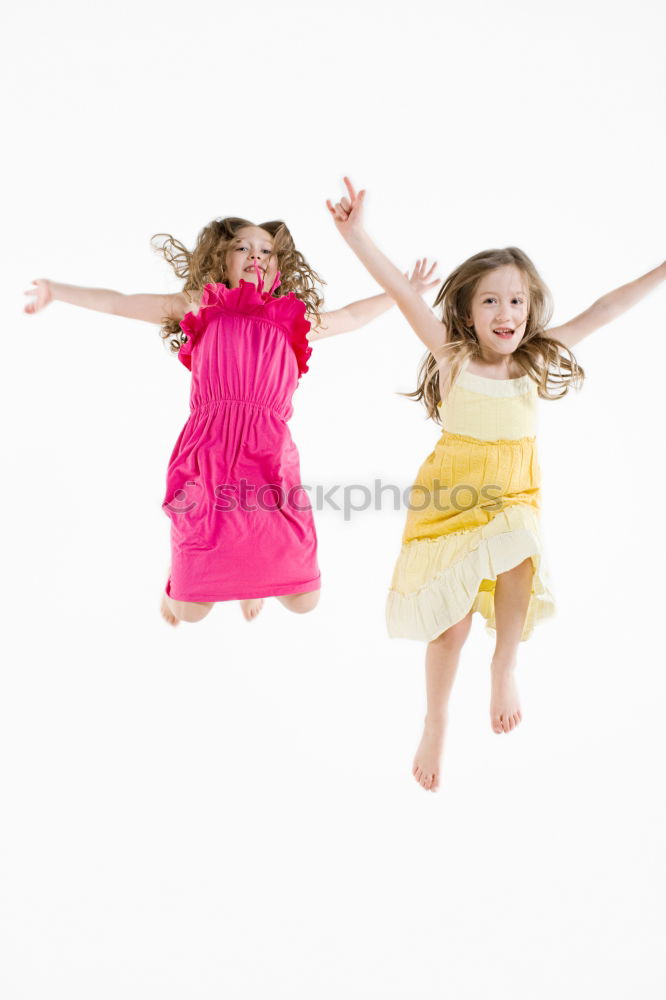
43,294
348,212
420,279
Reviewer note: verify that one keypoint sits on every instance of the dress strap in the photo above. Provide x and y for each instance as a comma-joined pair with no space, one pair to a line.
463,367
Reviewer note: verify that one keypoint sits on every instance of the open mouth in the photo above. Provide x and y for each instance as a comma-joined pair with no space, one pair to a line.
503,331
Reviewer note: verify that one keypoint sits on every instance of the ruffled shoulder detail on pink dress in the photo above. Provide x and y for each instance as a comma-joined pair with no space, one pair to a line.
288,311
193,324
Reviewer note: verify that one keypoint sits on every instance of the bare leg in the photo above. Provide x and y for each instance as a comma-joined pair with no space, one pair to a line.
512,598
300,603
175,612
442,657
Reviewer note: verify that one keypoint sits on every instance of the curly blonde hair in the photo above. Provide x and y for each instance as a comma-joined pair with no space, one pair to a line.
207,263
546,360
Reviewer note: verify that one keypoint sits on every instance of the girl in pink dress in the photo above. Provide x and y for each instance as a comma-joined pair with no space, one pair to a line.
241,523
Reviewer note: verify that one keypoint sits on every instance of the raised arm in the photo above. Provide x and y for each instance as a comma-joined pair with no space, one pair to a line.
608,307
151,308
357,314
347,215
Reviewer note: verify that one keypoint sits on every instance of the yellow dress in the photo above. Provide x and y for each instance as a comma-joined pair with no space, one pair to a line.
474,512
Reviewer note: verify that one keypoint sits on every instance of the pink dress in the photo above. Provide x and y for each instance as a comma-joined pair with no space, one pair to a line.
241,523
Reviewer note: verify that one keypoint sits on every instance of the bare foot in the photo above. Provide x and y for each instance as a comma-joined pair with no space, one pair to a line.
251,607
166,611
505,711
429,754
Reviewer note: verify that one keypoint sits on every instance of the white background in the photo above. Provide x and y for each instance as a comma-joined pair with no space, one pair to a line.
227,809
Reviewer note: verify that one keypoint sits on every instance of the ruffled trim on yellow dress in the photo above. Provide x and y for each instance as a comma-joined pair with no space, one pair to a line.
460,571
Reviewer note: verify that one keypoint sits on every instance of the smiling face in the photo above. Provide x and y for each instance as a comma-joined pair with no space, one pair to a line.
251,245
500,302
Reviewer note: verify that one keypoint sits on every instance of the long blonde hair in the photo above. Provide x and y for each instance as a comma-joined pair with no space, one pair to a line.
206,263
548,361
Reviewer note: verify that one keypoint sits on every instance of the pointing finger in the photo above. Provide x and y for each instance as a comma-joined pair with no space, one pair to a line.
350,187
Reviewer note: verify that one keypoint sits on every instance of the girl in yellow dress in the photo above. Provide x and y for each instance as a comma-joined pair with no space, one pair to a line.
472,538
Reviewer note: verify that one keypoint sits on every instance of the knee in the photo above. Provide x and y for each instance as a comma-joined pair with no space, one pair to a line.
192,612
300,604
456,635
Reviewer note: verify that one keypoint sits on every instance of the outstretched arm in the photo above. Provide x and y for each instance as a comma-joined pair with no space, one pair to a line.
608,307
151,308
357,314
347,215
